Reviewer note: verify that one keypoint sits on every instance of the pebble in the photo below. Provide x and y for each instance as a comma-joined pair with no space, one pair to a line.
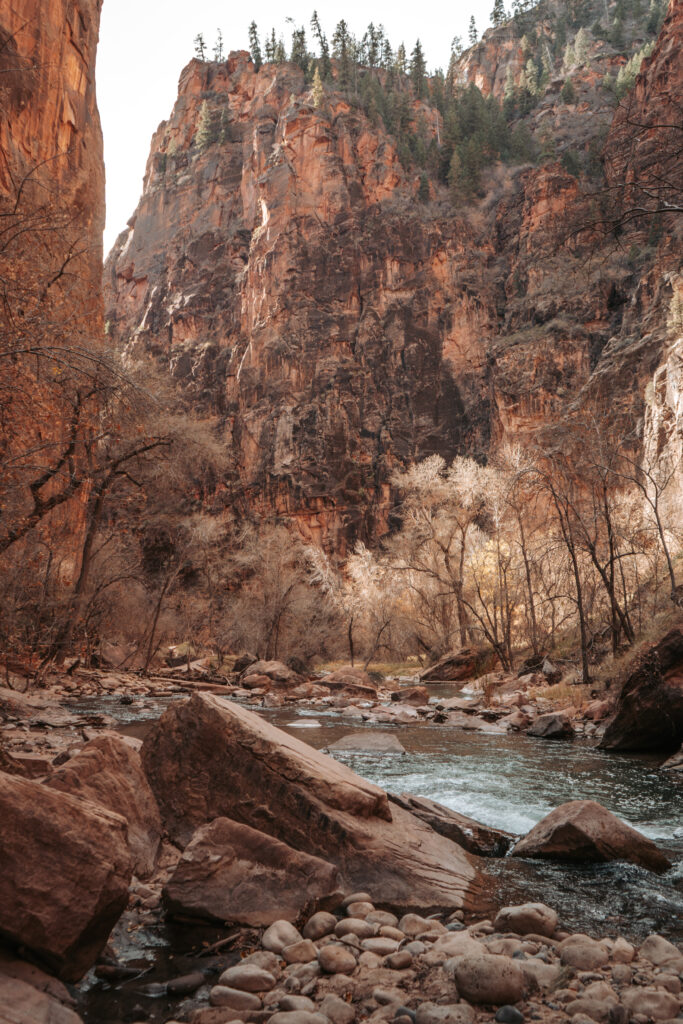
320,925
288,1003
380,946
356,897
297,1017
360,908
399,961
221,995
302,952
247,978
382,918
337,1010
403,1011
186,984
509,1015
355,926
456,1013
336,960
279,935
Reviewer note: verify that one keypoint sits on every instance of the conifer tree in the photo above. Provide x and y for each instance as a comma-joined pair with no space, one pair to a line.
199,47
205,134
280,52
218,47
318,91
423,193
341,51
498,15
325,65
473,34
271,47
401,60
418,70
299,53
255,46
581,46
387,55
224,132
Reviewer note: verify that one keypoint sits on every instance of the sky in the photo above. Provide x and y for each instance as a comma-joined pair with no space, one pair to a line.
144,45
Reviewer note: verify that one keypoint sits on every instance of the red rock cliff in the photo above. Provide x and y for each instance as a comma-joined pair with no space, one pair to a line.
289,277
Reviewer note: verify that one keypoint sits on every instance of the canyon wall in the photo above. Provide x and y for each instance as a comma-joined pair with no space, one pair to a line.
284,267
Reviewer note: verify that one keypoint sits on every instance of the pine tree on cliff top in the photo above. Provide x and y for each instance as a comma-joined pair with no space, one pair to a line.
341,51
472,31
218,47
325,64
498,15
199,47
255,46
418,70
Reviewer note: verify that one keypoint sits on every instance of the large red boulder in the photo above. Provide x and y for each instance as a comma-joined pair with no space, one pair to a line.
233,874
649,710
109,771
66,868
210,758
467,663
585,831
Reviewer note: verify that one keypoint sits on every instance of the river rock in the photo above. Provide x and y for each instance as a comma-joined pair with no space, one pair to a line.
222,995
399,961
485,978
479,839
454,1013
289,1003
247,978
336,960
21,1003
527,918
232,873
585,831
418,696
556,725
359,909
302,952
280,934
278,673
660,952
321,924
297,1017
108,771
352,926
653,1003
256,774
649,710
582,952
337,1010
66,868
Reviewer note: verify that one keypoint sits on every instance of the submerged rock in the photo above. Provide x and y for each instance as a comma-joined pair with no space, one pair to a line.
471,835
370,742
585,831
553,726
236,765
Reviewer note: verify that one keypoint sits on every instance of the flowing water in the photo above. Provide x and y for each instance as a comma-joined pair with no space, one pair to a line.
506,781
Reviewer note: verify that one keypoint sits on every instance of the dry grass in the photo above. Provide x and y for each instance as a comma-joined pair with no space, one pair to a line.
563,694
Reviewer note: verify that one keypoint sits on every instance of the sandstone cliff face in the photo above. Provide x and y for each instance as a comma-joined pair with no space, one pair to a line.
52,207
288,274
290,279
49,124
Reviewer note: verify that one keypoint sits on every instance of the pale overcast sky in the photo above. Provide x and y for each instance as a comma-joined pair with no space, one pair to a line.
144,45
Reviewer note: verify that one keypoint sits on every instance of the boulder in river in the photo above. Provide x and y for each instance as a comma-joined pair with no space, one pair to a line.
109,771
66,867
209,758
233,874
556,725
649,709
467,663
369,742
479,839
415,695
584,831
279,674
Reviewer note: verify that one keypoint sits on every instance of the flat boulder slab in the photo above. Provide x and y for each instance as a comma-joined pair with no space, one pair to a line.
66,868
586,832
351,681
369,742
109,772
468,663
474,837
234,874
210,758
649,709
554,726
418,696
